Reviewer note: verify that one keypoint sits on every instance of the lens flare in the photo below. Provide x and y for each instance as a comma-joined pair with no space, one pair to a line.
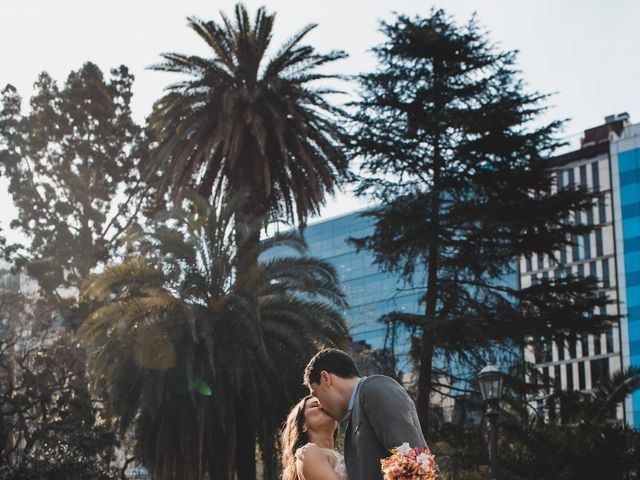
201,387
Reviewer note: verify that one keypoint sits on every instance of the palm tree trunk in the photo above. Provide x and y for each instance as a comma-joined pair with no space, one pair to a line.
245,446
249,220
224,447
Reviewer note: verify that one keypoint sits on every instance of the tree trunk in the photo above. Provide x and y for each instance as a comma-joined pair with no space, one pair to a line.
431,297
427,343
249,220
245,447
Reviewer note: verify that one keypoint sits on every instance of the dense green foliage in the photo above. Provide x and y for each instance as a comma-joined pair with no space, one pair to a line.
196,354
451,148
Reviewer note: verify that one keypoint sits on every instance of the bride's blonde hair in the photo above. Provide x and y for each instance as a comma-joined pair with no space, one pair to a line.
292,438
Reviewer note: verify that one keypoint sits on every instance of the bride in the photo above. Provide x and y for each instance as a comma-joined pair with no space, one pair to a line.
310,429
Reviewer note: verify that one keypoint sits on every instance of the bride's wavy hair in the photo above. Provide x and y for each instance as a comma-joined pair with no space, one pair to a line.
293,437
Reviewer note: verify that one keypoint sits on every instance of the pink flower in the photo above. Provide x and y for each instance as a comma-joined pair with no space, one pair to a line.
408,463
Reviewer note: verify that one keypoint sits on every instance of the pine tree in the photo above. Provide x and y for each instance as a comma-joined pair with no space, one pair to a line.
72,164
454,148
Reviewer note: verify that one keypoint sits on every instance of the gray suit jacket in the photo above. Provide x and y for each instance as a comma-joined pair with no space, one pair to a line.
383,417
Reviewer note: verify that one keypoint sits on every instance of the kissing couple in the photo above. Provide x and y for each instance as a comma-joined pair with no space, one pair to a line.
380,415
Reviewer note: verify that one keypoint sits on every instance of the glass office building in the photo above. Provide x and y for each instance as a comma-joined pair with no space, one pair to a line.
370,292
625,162
608,162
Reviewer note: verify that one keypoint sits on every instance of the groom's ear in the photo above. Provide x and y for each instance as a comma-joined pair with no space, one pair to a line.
324,375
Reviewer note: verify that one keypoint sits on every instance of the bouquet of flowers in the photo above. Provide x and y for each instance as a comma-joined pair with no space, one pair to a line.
406,463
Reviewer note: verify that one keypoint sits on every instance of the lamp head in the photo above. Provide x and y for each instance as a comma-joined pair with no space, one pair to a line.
491,381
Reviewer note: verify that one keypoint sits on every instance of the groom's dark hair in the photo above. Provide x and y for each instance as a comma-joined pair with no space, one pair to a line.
330,360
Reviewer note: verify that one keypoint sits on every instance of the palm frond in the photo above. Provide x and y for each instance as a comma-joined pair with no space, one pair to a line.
614,391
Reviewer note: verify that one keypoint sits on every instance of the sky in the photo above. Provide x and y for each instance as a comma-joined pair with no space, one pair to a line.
585,52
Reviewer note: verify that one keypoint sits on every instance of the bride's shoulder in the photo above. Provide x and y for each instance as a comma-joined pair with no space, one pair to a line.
309,451
314,462
312,453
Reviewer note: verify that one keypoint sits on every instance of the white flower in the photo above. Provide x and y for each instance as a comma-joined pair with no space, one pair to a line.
404,449
423,460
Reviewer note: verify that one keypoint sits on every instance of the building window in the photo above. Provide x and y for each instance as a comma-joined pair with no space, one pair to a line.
575,247
606,281
602,207
585,345
556,372
542,350
590,219
560,351
529,263
572,178
599,371
599,247
583,176
572,348
602,309
540,262
581,378
563,254
595,175
597,350
546,379
593,269
610,347
586,242
569,370
581,270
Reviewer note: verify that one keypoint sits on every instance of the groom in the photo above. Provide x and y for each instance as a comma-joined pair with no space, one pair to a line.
381,415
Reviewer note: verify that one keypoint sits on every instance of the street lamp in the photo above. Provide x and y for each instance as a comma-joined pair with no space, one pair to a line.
491,381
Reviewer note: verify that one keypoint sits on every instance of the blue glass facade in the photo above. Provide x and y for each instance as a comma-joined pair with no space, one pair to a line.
370,292
629,171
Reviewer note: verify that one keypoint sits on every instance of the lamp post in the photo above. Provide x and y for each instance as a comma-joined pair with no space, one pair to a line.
491,381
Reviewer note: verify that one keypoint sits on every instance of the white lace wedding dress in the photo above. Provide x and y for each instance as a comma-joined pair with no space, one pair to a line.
340,466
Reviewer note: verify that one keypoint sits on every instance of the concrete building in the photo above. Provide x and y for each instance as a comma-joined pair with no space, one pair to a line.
607,162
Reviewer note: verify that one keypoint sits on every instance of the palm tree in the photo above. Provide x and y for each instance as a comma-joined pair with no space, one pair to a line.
583,441
242,122
202,362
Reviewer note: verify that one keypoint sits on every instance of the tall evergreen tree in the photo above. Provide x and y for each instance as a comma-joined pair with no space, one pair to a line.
455,150
72,164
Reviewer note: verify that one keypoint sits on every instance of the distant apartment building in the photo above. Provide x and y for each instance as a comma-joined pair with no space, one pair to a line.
608,163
